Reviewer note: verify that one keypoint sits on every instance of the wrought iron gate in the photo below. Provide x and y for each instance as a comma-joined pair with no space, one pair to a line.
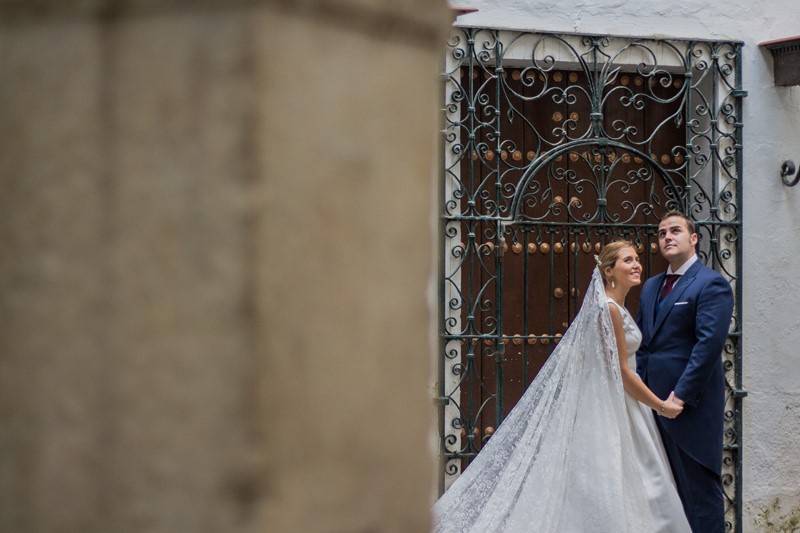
553,145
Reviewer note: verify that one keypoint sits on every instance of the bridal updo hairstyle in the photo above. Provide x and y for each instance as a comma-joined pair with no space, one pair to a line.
608,256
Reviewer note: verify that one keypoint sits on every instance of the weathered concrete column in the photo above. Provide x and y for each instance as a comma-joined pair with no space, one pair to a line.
214,251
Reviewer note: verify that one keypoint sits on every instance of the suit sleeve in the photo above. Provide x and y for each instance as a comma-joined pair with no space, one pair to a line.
639,316
639,361
714,310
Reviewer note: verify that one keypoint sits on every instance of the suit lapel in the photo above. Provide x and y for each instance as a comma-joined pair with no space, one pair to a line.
666,306
652,301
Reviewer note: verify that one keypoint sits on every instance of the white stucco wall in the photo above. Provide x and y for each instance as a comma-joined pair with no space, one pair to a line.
771,210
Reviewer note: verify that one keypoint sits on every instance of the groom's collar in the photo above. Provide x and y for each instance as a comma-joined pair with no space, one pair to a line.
684,267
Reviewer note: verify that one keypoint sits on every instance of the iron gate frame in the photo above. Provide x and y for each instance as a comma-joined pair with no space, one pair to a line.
484,48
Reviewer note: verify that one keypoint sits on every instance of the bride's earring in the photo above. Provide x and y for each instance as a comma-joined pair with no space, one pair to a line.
613,285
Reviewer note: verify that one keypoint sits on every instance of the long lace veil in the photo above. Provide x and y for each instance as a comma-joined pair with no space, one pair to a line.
558,458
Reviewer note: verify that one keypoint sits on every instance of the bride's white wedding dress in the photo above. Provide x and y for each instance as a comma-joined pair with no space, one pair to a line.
576,454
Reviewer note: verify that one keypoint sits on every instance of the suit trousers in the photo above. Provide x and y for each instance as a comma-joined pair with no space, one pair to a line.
699,488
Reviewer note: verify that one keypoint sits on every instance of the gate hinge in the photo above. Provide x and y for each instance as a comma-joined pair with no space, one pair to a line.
441,400
739,93
739,393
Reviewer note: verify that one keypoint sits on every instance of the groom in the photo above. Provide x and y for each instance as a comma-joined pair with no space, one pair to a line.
684,315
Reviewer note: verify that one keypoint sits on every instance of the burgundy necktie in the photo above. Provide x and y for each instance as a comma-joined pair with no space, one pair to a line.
667,288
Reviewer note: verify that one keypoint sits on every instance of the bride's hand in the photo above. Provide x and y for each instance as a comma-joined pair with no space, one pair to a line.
670,409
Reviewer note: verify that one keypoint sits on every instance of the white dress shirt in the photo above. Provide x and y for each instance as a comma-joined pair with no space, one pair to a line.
684,267
681,271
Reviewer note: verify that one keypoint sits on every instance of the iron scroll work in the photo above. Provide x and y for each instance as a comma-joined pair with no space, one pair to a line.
552,145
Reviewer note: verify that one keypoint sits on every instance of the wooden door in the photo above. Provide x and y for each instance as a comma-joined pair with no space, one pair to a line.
583,197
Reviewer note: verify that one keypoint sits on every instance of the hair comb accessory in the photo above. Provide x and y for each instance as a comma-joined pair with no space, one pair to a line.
597,260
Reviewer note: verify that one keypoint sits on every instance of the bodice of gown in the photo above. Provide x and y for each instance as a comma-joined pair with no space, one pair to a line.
633,337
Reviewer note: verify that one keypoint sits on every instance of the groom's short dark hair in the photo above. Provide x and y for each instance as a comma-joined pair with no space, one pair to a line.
675,213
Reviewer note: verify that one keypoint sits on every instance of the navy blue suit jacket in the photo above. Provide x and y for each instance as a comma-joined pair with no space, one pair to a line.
681,351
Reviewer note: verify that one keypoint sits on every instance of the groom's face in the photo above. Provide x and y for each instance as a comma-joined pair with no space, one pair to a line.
675,240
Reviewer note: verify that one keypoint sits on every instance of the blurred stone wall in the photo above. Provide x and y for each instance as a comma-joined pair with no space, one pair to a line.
214,250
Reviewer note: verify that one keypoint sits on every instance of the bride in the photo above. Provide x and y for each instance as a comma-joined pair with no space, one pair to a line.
580,451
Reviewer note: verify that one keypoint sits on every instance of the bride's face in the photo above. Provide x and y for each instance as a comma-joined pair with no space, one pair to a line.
627,271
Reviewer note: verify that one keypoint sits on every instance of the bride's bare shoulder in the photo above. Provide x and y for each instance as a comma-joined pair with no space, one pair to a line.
614,309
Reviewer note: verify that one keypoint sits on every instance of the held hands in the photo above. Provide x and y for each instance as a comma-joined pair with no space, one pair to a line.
675,398
671,407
